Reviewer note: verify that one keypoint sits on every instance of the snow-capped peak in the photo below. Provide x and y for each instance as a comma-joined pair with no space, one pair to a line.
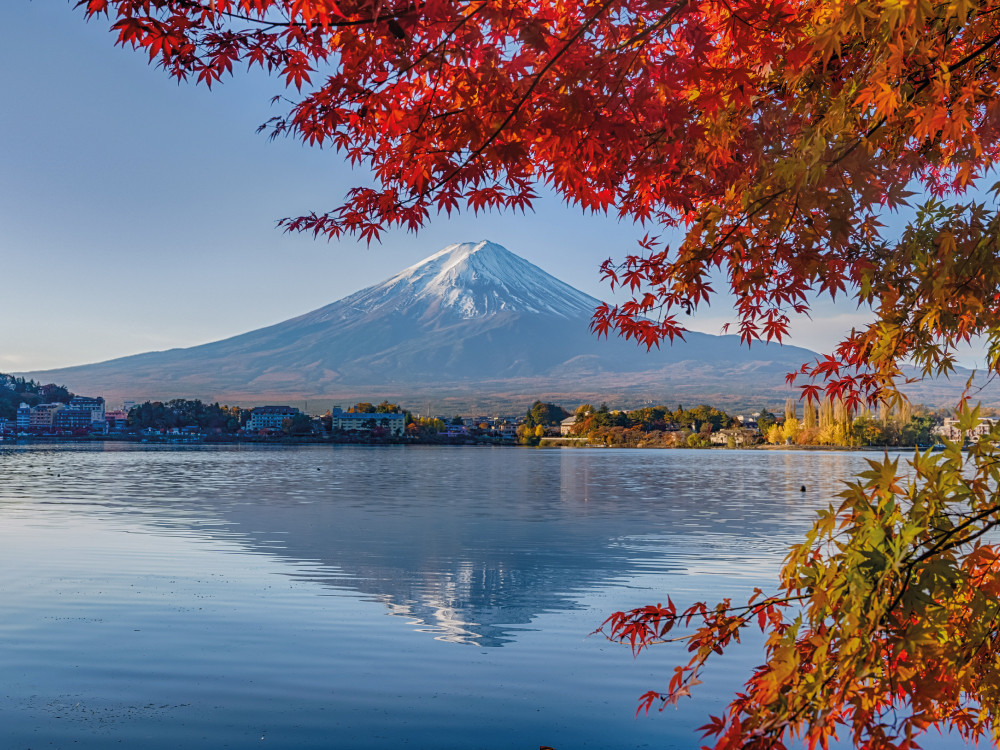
472,280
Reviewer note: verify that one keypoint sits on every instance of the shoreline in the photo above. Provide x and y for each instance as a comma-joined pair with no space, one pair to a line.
545,443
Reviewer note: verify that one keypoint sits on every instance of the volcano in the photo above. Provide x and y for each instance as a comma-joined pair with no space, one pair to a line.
473,326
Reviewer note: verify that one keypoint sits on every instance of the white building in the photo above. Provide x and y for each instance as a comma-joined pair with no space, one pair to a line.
269,417
567,425
344,420
951,431
740,436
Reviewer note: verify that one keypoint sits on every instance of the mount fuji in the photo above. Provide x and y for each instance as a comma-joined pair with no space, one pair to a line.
472,326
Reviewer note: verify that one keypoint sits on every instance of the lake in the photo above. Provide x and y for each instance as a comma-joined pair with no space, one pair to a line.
373,597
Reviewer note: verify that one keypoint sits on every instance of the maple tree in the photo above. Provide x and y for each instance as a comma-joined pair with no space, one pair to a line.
772,137
886,621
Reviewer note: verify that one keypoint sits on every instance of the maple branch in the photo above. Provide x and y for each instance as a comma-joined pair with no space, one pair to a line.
194,4
520,102
468,17
918,90
665,19
974,54
742,613
943,543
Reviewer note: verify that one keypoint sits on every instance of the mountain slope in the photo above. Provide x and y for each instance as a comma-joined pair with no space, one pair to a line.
473,324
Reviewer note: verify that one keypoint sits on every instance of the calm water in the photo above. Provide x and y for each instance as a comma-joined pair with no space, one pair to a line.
352,597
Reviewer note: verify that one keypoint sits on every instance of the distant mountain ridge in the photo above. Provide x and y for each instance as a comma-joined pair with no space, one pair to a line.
471,326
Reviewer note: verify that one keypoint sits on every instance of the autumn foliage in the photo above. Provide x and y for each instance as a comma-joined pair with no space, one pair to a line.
886,622
792,147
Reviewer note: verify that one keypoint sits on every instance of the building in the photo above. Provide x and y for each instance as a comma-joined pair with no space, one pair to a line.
950,429
93,405
72,419
270,417
566,426
739,436
116,420
43,416
23,417
345,421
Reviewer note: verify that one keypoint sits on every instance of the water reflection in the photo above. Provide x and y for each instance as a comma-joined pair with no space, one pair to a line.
469,545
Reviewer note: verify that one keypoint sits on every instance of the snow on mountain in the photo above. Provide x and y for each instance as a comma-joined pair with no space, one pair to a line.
466,280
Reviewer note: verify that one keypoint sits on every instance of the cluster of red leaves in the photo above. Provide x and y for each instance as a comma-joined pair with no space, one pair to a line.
718,627
772,133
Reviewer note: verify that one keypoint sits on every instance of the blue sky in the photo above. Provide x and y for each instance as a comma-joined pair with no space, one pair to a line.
139,214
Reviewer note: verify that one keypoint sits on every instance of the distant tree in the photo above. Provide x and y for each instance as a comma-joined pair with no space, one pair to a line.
364,408
545,414
696,440
790,429
299,424
427,426
53,394
386,408
15,390
765,420
526,434
918,431
866,430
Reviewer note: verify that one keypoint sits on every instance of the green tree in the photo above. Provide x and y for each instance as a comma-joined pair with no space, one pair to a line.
918,431
545,414
765,420
299,424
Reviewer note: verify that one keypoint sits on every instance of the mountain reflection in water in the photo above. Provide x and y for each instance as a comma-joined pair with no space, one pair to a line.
467,544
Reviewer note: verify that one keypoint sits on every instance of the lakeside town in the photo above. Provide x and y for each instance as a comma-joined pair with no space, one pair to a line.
51,412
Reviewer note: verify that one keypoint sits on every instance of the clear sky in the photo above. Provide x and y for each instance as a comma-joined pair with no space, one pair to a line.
138,214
